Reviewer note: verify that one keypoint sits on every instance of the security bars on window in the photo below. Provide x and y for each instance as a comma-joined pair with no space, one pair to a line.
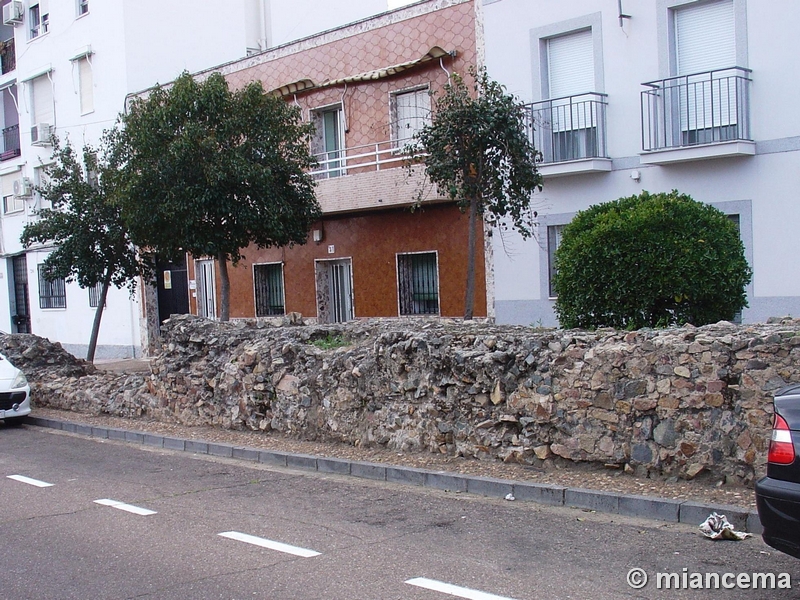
268,282
418,284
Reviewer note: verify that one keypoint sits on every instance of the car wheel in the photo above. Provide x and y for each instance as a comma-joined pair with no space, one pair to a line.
14,421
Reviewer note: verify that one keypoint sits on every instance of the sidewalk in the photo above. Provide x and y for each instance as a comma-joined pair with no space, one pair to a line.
647,507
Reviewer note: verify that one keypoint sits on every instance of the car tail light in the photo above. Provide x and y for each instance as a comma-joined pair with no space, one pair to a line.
781,448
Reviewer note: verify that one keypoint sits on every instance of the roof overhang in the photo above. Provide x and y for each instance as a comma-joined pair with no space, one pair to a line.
303,85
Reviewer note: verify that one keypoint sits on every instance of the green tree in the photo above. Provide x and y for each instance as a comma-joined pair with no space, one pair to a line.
650,261
208,171
477,152
90,242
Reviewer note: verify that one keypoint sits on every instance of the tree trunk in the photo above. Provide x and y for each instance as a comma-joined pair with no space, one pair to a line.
469,300
98,315
225,289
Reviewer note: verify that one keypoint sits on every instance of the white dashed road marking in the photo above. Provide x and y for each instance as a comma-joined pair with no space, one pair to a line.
264,543
453,590
126,507
29,481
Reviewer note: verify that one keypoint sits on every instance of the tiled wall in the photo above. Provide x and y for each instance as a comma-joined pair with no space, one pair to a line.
372,241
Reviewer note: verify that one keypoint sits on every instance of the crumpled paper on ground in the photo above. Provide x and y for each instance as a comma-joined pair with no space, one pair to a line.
717,527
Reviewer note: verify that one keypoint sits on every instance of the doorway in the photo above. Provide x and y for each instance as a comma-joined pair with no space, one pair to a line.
334,290
173,288
20,297
206,294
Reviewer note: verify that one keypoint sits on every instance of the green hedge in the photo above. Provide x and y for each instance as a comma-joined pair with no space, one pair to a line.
651,260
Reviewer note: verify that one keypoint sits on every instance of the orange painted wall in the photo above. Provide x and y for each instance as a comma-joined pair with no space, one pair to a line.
372,242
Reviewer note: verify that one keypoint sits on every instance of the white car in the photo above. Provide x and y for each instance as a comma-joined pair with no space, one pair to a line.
15,393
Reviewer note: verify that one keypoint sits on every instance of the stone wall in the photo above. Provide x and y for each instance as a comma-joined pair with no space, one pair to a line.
674,402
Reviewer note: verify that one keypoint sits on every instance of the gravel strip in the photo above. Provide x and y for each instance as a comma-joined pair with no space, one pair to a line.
577,475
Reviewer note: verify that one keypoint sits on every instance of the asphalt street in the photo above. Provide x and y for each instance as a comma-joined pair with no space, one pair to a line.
299,535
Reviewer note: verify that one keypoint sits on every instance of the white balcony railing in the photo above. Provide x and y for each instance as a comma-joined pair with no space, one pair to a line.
361,159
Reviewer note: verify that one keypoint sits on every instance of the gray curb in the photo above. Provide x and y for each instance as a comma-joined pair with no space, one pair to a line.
646,507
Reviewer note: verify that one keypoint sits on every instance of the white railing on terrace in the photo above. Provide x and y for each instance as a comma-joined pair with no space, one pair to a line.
362,159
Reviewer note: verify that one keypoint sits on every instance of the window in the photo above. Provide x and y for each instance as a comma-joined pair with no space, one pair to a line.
705,52
40,179
52,294
327,145
573,113
418,283
83,7
268,283
38,19
411,111
85,85
94,295
11,203
554,233
41,94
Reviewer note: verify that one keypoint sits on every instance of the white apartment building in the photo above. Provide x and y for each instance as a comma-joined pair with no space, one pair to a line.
67,67
632,95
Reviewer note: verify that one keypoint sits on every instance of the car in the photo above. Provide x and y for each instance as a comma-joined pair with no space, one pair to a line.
15,393
778,494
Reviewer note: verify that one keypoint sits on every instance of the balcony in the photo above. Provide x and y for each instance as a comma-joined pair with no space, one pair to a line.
359,159
368,177
570,133
8,56
11,147
695,117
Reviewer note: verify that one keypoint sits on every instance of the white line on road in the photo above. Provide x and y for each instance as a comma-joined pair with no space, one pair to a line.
453,590
29,481
126,507
264,543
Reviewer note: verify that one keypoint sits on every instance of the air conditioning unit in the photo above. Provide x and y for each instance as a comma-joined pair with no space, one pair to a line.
23,187
41,134
12,13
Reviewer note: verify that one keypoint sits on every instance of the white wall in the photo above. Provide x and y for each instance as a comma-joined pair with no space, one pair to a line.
764,184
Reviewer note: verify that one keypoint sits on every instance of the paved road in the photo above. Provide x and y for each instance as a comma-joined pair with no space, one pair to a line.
373,538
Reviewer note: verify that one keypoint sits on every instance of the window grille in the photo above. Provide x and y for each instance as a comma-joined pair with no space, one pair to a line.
411,112
94,295
268,282
52,294
418,284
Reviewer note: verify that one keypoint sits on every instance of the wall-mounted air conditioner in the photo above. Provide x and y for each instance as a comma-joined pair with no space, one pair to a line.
41,134
23,188
12,13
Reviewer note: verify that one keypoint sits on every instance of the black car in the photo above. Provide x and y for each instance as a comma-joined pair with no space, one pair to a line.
778,494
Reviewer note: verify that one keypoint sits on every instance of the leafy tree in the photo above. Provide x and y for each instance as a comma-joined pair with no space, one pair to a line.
478,153
91,242
207,170
650,261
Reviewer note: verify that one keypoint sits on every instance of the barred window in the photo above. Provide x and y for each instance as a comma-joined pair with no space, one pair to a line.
411,111
418,283
268,283
52,294
94,295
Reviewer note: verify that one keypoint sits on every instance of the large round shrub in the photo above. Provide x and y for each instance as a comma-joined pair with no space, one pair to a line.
650,261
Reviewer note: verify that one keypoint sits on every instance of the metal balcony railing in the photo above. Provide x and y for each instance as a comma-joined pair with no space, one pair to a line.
701,108
11,147
360,159
569,128
8,56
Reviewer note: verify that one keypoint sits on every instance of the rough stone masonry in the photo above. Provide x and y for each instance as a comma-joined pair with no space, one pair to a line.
671,402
